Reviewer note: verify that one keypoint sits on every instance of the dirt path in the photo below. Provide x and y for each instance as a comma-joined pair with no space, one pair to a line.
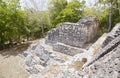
11,65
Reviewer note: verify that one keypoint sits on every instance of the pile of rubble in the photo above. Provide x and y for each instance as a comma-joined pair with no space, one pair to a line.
72,51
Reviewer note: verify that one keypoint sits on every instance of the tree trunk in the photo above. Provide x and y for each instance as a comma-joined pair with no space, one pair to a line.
119,6
110,16
42,27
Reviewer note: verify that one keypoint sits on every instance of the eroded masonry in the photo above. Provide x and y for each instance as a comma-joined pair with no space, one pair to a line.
73,50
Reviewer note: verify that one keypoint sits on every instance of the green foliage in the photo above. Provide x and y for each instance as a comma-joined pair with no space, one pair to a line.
37,22
72,13
113,12
17,25
56,7
11,21
61,11
101,10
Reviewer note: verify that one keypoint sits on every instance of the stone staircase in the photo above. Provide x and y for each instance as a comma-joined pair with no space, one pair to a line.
40,55
55,53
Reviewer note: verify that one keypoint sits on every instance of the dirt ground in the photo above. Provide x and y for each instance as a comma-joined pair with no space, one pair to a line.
12,65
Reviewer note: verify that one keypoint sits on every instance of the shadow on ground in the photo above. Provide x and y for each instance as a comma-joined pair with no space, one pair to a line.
14,51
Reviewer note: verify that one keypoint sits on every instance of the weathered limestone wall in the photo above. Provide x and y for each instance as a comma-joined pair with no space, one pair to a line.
75,34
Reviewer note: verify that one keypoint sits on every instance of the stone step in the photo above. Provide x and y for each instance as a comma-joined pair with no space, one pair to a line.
54,53
61,49
40,55
67,49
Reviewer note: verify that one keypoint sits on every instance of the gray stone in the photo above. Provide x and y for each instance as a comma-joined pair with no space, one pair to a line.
75,34
33,70
69,50
29,60
25,53
112,45
39,50
40,56
43,54
68,38
107,66
113,34
106,63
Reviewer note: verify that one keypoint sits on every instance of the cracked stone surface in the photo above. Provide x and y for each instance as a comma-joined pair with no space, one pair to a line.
60,54
75,34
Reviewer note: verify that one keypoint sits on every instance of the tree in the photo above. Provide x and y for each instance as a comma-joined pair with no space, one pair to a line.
55,8
66,12
110,16
112,4
72,12
12,21
36,13
101,10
